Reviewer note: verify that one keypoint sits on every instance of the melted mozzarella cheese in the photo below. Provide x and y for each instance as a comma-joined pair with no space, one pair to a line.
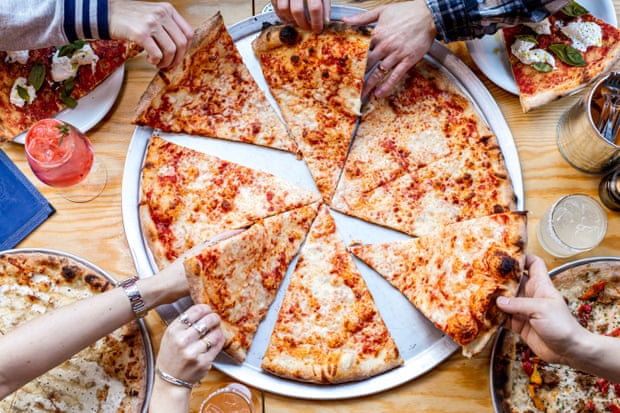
525,52
64,67
583,34
541,27
16,99
19,56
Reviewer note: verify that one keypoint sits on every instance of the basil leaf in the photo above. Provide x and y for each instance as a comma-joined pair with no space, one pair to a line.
68,100
542,67
527,38
37,75
574,9
68,85
23,93
69,49
568,54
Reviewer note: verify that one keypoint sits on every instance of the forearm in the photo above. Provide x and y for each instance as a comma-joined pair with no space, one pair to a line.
168,398
598,355
46,341
465,19
27,24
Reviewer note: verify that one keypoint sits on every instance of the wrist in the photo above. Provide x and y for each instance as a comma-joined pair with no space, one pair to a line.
581,347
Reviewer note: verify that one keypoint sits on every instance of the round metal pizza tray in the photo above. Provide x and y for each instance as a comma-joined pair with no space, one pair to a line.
148,347
496,375
421,345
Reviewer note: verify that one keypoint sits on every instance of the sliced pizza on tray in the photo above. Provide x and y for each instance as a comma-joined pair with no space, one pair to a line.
188,196
212,93
559,55
317,79
239,276
454,275
329,329
38,84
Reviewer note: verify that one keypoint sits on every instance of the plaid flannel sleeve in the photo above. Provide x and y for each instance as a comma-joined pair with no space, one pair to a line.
468,19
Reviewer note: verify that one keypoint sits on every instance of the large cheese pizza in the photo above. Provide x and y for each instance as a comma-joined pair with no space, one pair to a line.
424,157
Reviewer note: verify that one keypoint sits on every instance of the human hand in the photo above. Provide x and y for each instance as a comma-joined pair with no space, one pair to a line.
294,11
184,352
403,34
541,316
163,33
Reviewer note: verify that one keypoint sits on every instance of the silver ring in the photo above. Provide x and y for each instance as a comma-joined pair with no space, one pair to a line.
209,345
201,331
184,318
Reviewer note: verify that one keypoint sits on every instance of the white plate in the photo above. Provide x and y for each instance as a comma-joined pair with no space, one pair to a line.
490,55
92,107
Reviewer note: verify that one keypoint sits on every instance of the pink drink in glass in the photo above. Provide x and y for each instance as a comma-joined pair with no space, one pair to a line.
58,153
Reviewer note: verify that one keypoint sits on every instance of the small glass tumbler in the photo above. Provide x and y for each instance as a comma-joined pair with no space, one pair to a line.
232,398
574,224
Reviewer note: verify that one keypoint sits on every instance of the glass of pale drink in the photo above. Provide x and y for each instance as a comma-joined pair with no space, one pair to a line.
574,224
61,156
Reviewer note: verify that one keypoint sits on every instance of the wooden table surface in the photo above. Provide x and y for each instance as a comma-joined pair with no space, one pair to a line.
94,230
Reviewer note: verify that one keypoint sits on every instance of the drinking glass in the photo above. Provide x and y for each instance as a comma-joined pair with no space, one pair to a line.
232,398
61,156
574,224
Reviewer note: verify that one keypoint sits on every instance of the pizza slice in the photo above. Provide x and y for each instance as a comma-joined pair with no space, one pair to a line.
38,84
465,184
212,93
328,329
559,55
239,276
425,118
189,196
317,79
454,275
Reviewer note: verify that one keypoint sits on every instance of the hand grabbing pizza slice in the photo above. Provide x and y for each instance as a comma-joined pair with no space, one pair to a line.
454,275
239,276
328,329
212,93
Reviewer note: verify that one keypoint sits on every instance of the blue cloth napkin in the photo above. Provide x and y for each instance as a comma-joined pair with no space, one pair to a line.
22,207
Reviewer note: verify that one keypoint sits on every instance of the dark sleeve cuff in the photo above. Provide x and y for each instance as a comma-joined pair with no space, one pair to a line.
86,19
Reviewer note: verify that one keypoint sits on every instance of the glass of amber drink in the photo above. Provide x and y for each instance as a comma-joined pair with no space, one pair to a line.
61,156
232,398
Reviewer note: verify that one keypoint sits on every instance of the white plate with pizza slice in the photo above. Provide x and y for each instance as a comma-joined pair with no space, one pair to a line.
489,52
421,345
92,107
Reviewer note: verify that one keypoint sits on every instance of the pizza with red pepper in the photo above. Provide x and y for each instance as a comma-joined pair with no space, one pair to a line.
560,54
592,292
38,84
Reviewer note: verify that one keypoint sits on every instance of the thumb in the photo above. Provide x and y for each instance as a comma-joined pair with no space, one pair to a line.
524,306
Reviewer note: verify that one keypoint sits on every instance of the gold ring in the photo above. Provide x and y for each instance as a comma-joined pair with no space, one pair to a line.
201,331
383,70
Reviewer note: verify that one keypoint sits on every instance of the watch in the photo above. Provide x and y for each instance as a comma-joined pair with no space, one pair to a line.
135,298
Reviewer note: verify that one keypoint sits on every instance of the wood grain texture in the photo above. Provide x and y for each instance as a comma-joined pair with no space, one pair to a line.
94,230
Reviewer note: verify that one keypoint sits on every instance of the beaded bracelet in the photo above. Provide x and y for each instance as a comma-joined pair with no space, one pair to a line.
173,380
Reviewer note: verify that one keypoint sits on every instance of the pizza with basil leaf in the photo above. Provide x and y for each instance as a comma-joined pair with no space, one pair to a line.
38,84
560,54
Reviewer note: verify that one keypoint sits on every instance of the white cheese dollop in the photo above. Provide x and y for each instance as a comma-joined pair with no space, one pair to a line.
18,100
542,27
64,67
584,34
19,56
525,52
